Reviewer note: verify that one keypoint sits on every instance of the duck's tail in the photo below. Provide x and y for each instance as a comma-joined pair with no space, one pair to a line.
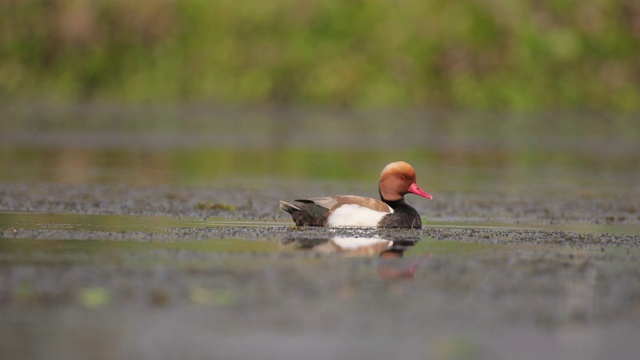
288,207
306,214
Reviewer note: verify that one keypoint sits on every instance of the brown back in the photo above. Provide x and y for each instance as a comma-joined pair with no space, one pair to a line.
330,202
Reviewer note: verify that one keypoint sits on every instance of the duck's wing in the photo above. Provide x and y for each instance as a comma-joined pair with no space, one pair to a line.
331,202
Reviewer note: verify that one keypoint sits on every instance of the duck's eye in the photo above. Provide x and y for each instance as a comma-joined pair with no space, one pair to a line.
403,177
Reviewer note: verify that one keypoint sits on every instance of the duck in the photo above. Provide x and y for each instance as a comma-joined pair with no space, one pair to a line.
397,179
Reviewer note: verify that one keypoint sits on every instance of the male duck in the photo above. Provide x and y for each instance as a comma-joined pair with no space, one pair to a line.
396,180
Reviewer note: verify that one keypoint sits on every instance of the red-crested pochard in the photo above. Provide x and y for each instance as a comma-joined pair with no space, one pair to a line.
396,180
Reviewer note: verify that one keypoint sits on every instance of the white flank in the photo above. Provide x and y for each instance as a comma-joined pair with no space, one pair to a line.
352,215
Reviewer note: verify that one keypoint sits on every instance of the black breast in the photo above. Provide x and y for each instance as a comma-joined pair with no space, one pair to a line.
403,216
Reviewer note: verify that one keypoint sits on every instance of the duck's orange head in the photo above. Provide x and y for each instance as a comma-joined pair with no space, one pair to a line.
398,179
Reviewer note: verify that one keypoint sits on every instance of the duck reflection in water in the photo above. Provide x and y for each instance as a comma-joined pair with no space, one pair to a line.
390,265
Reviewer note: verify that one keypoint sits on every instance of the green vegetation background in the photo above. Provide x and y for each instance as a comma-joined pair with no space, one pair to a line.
481,54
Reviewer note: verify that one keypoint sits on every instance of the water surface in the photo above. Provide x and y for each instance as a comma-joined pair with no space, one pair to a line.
153,232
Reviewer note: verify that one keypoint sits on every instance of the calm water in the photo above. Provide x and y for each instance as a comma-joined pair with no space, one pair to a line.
204,145
152,232
118,286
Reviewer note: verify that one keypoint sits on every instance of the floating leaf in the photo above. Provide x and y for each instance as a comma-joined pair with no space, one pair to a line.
202,296
215,206
94,297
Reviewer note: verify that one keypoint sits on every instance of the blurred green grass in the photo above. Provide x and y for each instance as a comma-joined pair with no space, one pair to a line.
494,54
